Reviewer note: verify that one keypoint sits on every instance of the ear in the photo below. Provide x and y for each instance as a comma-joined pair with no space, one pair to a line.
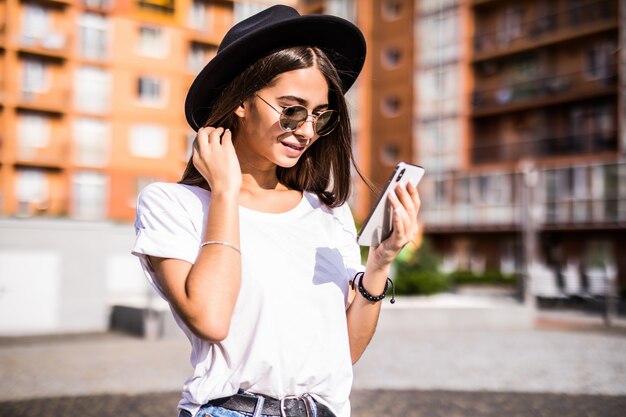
241,110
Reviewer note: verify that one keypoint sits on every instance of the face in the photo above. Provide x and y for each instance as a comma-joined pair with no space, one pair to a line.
261,141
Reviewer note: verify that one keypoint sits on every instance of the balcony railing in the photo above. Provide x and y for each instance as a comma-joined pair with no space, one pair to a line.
54,101
547,27
162,6
54,43
548,87
547,147
592,198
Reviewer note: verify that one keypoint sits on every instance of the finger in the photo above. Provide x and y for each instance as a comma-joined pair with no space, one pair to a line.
406,200
412,190
227,137
399,215
215,136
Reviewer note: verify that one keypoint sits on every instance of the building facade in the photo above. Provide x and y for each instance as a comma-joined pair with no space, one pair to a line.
539,175
91,99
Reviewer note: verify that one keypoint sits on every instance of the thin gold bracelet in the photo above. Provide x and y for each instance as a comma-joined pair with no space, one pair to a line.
219,242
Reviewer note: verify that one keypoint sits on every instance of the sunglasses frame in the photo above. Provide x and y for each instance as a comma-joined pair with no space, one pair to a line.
306,119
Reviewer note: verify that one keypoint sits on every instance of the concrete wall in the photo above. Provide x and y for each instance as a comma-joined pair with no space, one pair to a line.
59,276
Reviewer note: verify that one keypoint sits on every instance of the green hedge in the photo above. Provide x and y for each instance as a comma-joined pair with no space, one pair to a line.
488,277
417,271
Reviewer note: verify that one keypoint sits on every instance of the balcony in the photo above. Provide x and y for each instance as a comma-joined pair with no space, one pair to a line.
569,197
160,6
54,3
558,27
49,157
545,148
543,92
55,101
55,45
98,5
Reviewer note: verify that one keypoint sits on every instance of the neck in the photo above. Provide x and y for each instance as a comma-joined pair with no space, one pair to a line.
259,178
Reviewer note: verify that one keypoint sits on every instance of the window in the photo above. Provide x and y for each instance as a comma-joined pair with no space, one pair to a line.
438,91
33,133
91,142
198,16
600,61
391,9
35,22
391,57
148,141
92,90
390,106
93,36
31,186
199,55
390,154
150,91
31,191
90,192
98,4
36,77
152,42
510,25
439,38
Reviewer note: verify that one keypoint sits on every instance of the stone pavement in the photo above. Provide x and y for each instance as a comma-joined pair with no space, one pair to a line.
433,361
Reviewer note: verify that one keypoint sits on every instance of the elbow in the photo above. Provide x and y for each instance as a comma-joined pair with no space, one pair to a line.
214,330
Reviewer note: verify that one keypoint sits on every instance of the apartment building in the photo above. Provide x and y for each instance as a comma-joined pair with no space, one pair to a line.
536,169
91,99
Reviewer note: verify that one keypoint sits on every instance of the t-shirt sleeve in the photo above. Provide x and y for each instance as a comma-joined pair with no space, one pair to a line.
163,228
349,247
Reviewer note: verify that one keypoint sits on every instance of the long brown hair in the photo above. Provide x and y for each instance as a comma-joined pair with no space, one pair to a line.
324,168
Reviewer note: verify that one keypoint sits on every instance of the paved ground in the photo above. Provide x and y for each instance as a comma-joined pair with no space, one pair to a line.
378,403
412,368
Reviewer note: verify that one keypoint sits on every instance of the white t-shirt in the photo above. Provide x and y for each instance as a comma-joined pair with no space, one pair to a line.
288,333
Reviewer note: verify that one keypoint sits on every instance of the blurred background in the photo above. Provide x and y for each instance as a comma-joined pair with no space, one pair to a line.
514,107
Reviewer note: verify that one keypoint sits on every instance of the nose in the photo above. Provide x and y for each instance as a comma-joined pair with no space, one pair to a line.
306,131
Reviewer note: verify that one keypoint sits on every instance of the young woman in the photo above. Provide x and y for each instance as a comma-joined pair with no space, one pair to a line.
255,248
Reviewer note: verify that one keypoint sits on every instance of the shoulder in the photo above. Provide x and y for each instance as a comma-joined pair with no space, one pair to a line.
164,196
342,213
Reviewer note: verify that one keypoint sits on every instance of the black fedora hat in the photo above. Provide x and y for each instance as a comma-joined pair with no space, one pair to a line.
273,29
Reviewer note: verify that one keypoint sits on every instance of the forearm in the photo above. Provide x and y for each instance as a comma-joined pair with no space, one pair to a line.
213,283
363,314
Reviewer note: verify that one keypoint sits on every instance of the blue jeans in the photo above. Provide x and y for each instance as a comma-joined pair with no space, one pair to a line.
208,410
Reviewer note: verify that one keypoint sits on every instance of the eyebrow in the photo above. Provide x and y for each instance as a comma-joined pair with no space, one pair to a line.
302,102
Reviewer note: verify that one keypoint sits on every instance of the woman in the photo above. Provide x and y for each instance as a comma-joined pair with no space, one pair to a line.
255,248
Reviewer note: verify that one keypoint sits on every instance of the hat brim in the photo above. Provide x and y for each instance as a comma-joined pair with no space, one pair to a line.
342,41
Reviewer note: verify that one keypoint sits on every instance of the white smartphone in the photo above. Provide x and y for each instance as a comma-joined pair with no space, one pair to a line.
379,224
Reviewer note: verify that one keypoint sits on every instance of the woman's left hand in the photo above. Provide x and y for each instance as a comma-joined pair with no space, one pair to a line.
405,203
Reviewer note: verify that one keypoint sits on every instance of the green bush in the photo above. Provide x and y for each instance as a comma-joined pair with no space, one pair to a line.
488,277
417,272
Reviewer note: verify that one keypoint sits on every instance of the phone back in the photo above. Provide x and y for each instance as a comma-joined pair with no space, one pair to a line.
379,223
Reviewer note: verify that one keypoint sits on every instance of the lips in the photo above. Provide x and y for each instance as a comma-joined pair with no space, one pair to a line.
295,146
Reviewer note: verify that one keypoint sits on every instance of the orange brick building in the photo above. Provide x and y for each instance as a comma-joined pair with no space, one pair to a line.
91,99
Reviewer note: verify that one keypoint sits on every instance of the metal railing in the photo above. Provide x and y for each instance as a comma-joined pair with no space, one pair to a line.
574,18
546,87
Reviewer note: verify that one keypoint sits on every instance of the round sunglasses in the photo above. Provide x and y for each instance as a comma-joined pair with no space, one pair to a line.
292,117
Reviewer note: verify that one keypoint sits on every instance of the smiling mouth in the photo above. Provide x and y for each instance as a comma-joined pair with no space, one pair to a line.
294,146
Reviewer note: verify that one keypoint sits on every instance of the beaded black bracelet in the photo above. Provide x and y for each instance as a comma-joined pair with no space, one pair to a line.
374,298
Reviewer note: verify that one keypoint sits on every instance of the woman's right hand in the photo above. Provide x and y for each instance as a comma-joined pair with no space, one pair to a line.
215,158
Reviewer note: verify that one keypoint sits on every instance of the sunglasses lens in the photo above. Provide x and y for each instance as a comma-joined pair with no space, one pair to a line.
292,117
326,122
